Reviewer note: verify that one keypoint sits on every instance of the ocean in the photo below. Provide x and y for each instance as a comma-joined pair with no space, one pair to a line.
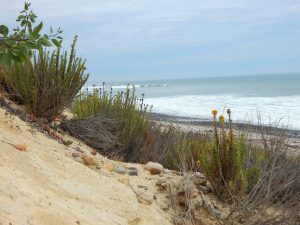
271,98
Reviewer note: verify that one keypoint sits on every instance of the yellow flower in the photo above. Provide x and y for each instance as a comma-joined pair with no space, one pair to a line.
214,112
221,118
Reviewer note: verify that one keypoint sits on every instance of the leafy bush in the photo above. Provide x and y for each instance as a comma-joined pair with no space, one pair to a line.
47,83
20,44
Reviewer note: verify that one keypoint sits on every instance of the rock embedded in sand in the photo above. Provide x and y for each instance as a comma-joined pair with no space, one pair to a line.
162,184
78,159
154,168
89,160
143,187
108,167
119,169
78,149
132,171
76,154
21,147
200,181
94,152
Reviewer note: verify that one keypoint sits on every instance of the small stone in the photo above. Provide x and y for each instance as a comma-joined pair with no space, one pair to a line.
132,171
198,174
21,147
78,149
154,168
76,154
89,160
67,142
67,114
155,171
167,171
94,152
200,181
78,159
165,206
109,167
119,169
143,187
98,167
144,198
162,184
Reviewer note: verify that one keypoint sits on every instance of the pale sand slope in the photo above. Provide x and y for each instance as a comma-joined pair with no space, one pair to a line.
45,185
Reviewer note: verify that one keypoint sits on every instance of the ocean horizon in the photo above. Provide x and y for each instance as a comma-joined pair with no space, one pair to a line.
271,98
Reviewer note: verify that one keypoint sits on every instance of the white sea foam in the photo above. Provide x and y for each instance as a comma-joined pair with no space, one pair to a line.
90,88
244,108
125,86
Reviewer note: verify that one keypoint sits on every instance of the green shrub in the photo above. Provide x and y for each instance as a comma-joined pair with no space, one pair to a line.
47,83
185,150
223,160
134,118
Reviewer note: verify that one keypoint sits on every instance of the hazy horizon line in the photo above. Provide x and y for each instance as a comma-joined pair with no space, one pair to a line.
199,77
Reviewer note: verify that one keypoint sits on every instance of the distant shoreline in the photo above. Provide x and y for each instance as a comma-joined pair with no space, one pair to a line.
291,133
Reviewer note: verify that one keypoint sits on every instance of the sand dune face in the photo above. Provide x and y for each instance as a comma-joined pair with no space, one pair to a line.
45,185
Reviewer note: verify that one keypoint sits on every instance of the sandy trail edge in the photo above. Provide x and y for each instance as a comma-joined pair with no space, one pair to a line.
45,185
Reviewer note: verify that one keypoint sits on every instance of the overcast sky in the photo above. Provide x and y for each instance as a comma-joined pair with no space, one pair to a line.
157,39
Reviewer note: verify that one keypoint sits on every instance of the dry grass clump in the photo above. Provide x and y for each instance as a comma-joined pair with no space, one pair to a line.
258,179
132,117
183,215
46,83
99,131
273,197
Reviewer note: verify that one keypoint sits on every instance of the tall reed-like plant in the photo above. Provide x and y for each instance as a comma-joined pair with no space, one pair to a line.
46,83
224,159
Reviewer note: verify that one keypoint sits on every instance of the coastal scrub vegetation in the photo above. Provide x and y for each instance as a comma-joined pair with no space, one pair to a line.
258,179
223,159
129,119
47,82
255,178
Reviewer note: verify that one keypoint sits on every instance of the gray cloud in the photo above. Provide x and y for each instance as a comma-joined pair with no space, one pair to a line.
223,30
137,23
